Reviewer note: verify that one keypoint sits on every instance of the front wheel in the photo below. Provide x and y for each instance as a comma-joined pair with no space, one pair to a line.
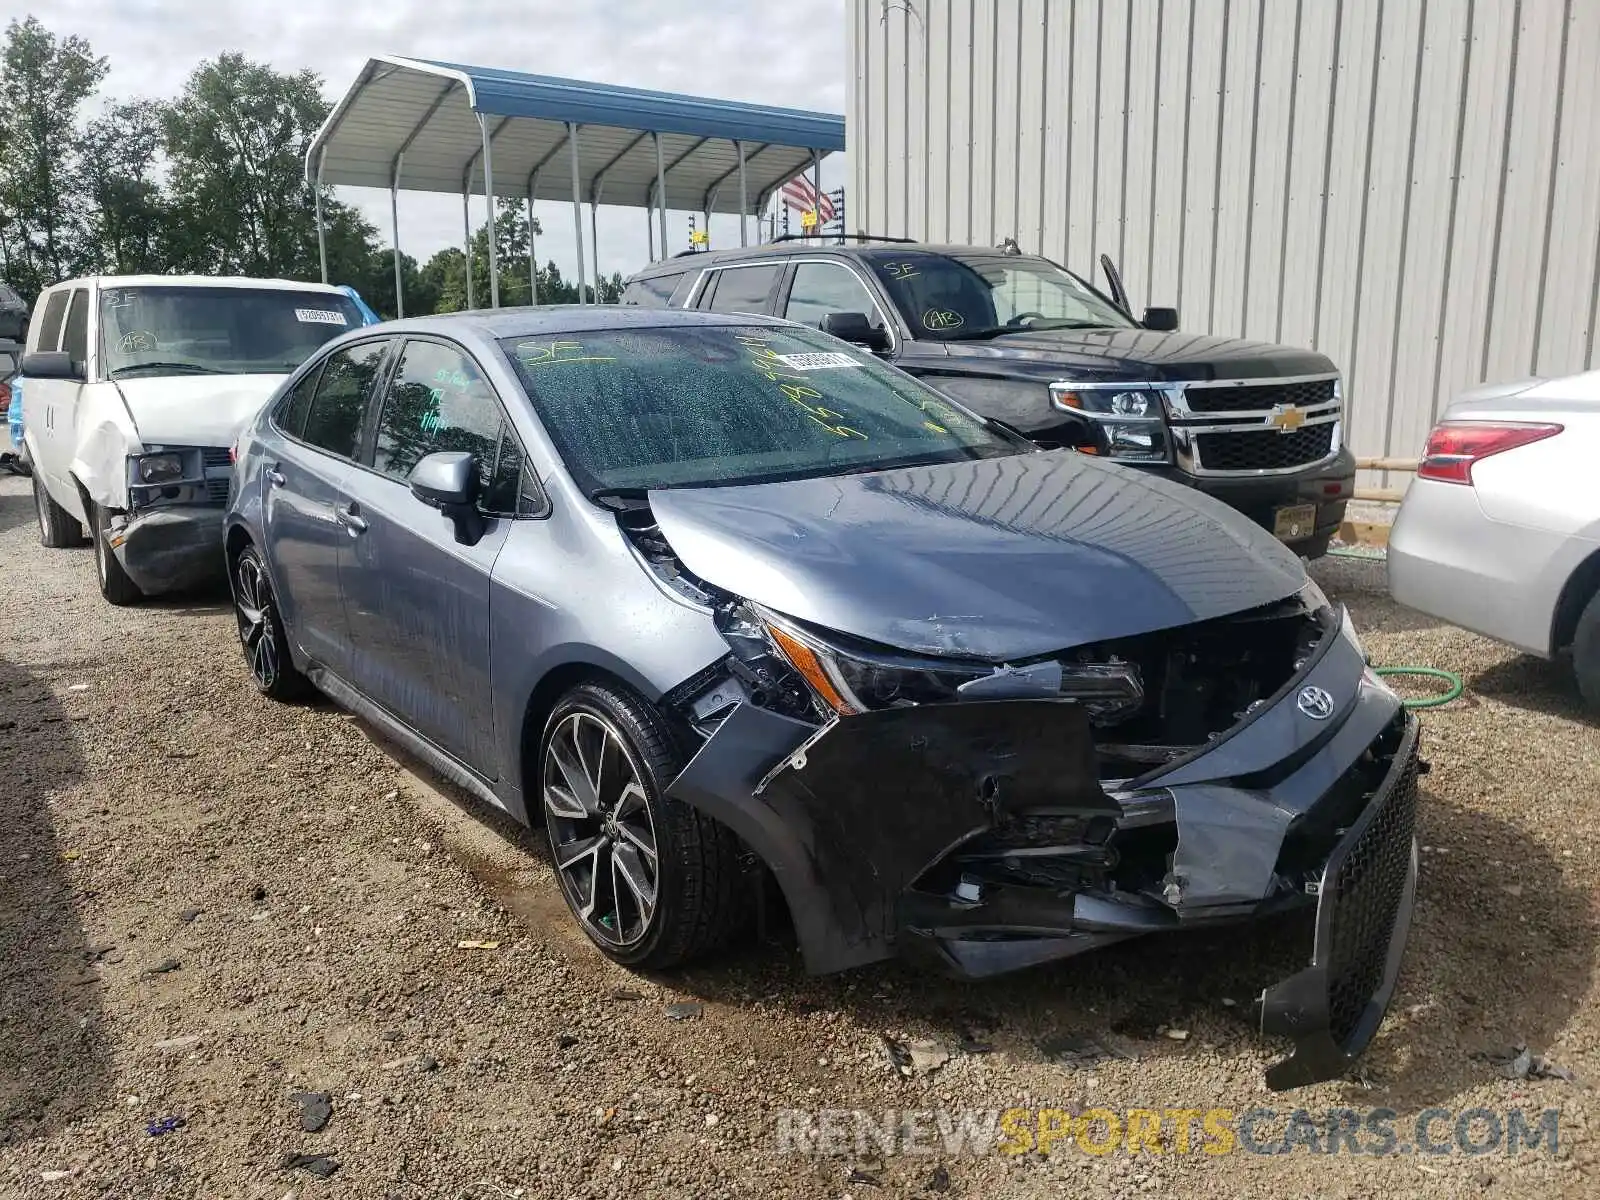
261,635
115,583
651,881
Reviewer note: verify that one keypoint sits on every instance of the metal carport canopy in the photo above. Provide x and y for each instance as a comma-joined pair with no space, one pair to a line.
419,125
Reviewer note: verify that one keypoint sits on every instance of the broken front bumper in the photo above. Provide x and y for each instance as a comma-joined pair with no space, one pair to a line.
979,832
171,548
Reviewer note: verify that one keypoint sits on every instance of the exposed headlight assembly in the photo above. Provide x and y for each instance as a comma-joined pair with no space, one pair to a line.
849,681
158,468
1131,423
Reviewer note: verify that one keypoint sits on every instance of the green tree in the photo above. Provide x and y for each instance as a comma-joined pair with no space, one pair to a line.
236,141
43,83
128,221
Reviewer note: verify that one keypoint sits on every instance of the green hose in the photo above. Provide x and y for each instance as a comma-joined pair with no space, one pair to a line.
1450,677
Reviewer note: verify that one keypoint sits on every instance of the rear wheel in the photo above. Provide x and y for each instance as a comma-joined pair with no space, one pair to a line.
261,636
651,881
115,583
1586,653
58,528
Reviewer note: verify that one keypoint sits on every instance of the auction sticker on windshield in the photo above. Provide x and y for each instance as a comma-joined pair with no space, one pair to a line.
320,316
818,360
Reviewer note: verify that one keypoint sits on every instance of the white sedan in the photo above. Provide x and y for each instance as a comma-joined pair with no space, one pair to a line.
1500,532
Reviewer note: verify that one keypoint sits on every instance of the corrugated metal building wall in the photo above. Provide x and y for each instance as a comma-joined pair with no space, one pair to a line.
1410,186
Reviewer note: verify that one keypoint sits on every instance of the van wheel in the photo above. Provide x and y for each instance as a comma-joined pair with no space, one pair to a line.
58,529
115,585
652,882
1586,653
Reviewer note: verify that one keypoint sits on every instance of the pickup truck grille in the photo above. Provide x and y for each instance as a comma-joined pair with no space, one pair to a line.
1259,397
218,471
1263,449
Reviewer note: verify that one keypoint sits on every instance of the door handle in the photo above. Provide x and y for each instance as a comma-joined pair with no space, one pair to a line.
276,477
349,515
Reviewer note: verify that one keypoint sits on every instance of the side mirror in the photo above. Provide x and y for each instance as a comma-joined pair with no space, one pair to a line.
51,364
448,481
1162,320
854,327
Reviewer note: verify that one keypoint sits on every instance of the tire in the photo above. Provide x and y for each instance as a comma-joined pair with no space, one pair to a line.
1586,653
261,634
58,529
697,873
115,584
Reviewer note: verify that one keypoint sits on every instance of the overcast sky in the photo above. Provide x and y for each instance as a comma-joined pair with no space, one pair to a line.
788,53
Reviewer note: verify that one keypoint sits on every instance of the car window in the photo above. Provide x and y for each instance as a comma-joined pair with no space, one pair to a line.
691,405
55,311
334,423
653,292
439,400
680,294
740,289
949,297
290,413
823,288
76,341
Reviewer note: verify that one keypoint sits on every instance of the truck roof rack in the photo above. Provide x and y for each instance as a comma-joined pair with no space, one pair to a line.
846,237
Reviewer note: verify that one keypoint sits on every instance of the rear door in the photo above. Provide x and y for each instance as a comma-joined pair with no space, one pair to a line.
741,289
319,427
416,599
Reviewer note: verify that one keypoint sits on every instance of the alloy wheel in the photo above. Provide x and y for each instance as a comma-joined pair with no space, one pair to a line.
603,836
252,606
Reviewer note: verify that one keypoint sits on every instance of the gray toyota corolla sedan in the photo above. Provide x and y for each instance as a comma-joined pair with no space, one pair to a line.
722,599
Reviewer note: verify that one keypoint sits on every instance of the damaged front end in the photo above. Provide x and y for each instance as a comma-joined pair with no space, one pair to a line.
169,537
997,815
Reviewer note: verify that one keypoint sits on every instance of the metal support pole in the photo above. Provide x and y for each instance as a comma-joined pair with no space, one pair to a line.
650,224
661,193
533,254
394,222
466,239
488,204
577,205
744,200
816,186
594,245
322,234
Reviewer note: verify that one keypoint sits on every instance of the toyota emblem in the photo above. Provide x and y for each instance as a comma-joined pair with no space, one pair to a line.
1315,703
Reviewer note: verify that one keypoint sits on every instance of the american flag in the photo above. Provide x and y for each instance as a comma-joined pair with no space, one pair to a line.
799,194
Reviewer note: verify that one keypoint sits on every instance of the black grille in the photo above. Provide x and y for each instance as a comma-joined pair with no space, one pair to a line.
217,471
1366,892
1258,397
1264,449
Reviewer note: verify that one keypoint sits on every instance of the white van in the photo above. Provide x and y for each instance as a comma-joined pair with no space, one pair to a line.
137,386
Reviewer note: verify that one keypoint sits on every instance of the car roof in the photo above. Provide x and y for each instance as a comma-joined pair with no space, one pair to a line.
782,250
224,281
555,319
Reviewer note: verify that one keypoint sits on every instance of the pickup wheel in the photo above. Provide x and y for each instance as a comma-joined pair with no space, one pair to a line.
58,529
652,882
261,636
1586,653
115,584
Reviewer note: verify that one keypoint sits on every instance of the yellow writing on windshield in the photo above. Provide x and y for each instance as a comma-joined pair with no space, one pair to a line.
767,362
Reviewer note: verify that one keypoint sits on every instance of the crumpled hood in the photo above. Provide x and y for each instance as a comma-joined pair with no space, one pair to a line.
999,559
195,410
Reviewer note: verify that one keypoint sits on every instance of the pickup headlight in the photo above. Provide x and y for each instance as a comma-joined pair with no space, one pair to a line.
1131,424
849,681
158,468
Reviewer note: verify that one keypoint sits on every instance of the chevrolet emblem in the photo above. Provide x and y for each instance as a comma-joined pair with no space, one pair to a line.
1286,418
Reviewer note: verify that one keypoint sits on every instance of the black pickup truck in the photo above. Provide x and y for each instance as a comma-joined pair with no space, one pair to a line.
1019,339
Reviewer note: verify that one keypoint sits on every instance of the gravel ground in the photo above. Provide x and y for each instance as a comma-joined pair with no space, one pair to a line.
211,904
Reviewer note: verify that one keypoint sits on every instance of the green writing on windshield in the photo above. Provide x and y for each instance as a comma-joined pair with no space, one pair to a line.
794,387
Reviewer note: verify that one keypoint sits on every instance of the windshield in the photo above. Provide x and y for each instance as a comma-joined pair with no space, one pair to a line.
952,297
691,406
216,330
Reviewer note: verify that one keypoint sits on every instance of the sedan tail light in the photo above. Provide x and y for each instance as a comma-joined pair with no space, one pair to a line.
1455,445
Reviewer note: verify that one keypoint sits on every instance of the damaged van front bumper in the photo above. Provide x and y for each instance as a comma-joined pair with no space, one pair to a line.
981,833
170,548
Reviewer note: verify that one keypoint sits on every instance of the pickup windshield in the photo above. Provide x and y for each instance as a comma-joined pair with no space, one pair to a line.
705,405
959,297
184,330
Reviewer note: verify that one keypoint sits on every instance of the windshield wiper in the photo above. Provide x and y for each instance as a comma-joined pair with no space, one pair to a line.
194,368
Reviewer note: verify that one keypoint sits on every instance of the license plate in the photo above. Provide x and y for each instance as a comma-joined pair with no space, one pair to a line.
1294,522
